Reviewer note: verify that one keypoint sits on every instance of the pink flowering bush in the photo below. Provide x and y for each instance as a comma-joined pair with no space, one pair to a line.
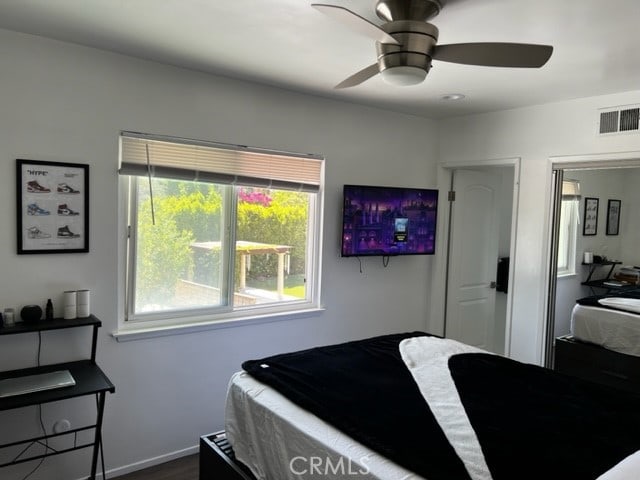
259,198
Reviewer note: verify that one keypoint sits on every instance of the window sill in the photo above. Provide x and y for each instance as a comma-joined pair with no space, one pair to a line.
566,275
141,332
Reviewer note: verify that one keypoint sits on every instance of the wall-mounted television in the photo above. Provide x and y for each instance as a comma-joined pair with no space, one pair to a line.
385,221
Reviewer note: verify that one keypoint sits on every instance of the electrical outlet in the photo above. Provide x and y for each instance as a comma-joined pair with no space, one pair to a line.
62,426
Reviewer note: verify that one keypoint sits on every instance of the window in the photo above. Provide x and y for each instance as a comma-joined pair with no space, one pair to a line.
568,230
219,232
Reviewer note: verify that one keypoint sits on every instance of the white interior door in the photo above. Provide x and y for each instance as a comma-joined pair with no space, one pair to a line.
474,237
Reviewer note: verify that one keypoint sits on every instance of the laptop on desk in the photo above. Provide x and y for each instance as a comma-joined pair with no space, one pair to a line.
35,383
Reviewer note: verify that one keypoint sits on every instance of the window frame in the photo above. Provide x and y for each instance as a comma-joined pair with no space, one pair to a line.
226,314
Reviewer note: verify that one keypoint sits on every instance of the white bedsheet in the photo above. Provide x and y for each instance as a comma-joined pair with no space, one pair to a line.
613,329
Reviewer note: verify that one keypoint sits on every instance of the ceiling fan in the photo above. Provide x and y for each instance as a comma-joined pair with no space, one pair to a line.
407,43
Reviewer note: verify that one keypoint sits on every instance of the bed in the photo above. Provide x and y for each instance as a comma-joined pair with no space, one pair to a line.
611,321
604,344
413,406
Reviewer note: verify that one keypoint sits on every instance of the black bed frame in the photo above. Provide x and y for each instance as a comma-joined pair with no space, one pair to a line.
596,363
217,460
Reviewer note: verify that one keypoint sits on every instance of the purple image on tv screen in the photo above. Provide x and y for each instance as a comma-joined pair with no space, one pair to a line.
388,221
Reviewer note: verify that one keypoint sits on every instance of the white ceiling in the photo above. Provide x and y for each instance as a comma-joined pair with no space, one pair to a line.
289,44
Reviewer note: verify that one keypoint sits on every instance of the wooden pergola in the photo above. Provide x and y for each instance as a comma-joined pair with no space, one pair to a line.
246,249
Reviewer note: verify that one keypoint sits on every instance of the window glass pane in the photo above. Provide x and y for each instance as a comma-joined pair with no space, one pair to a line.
178,262
271,246
567,236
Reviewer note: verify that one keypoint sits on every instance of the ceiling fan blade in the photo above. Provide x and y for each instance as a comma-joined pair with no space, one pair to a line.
518,55
359,77
355,22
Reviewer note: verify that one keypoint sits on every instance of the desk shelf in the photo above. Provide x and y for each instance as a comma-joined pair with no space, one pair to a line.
53,324
600,282
611,288
89,378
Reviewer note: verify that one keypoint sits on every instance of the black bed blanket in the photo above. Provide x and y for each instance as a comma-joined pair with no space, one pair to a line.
364,389
534,423
531,422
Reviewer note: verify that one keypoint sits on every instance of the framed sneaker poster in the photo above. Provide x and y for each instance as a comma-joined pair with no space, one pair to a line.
53,207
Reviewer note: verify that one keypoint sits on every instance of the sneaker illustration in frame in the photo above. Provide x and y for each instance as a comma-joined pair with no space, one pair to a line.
53,207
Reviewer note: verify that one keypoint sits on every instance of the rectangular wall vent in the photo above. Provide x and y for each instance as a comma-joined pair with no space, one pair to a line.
629,119
625,119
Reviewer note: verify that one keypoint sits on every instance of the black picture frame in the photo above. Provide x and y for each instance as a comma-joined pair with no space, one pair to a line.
613,216
52,207
590,220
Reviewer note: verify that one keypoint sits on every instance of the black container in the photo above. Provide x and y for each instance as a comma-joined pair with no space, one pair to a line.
31,313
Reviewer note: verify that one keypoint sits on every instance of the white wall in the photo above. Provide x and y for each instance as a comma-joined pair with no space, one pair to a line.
603,185
630,219
67,103
534,135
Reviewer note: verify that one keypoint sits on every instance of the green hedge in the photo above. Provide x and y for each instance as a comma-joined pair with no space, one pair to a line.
186,212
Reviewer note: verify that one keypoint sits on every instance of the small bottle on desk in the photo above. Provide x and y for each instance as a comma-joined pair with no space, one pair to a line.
48,310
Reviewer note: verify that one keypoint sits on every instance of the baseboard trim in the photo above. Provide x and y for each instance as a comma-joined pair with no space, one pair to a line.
150,462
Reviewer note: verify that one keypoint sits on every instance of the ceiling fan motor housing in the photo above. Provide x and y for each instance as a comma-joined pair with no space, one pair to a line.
417,10
416,43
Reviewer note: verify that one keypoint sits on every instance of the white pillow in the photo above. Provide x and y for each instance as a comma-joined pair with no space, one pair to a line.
629,304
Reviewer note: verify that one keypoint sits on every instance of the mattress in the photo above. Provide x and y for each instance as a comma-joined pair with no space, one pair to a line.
306,446
612,329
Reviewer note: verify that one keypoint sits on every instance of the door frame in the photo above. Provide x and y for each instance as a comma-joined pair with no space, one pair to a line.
437,321
555,164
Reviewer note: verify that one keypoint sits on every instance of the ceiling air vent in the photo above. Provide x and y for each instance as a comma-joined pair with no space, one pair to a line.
620,120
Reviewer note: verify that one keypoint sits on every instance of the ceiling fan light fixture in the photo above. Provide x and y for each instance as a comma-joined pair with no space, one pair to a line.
453,96
403,76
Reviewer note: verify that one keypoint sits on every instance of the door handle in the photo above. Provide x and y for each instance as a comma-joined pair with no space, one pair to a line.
493,285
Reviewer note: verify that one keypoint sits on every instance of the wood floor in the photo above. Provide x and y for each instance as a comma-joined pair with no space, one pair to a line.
185,468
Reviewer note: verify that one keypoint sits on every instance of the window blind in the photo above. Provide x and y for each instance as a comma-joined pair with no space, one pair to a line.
570,189
185,159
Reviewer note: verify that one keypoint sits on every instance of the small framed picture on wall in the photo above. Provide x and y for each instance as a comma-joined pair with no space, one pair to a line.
613,217
590,223
53,207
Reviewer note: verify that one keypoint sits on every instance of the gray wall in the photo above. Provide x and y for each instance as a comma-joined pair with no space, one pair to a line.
67,103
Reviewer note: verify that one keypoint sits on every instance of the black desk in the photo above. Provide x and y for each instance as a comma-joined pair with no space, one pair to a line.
90,380
602,283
